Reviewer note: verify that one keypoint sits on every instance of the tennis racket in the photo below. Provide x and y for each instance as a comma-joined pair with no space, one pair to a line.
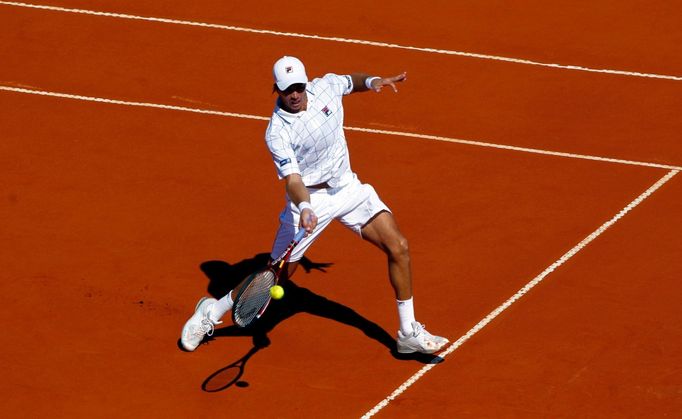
254,296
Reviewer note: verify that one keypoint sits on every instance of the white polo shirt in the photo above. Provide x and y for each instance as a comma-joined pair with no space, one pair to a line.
312,142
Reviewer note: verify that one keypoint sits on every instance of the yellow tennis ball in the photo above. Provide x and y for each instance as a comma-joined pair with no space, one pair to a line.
277,292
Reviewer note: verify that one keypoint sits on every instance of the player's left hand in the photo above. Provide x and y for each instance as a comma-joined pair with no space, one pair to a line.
378,84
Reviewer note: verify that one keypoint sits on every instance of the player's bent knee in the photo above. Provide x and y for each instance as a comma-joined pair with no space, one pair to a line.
399,249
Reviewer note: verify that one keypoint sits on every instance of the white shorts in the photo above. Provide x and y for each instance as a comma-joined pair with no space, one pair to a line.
354,205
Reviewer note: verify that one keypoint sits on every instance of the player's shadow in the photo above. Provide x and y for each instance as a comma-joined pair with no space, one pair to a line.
224,276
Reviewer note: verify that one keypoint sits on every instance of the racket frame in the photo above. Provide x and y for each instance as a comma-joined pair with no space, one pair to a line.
276,267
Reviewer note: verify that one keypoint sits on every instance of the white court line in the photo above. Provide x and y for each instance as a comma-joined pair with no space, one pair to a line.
515,148
342,40
535,281
367,130
495,312
127,103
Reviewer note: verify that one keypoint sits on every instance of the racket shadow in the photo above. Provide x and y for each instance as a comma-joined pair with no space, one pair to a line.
223,277
229,375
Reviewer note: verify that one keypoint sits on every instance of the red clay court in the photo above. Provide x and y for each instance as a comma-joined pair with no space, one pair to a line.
532,158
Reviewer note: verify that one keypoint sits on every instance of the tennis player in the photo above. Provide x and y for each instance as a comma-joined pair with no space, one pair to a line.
308,147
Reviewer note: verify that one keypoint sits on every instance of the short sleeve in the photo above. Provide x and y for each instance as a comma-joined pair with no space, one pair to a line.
282,153
341,85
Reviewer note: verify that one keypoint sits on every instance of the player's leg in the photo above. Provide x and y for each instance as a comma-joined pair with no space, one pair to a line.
368,216
383,232
360,209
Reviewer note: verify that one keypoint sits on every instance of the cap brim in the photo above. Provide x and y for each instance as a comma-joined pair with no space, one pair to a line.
283,85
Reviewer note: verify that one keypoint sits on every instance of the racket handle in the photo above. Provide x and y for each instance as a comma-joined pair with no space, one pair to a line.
299,236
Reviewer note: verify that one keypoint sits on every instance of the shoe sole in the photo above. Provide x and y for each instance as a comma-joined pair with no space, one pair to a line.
411,351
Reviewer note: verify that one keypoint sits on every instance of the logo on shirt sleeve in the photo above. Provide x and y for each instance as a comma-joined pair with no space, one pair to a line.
326,111
284,162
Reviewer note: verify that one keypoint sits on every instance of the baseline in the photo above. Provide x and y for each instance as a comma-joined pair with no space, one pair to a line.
343,40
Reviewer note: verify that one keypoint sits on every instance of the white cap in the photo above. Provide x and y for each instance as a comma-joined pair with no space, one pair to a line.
288,71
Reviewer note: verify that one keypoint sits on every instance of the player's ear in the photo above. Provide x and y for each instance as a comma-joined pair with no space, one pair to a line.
274,88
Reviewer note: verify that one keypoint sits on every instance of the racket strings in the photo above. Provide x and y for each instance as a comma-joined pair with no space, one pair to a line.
253,297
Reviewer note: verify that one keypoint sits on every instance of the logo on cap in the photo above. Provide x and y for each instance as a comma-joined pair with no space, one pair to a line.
289,69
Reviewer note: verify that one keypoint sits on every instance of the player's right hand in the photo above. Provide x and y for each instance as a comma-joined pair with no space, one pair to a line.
308,220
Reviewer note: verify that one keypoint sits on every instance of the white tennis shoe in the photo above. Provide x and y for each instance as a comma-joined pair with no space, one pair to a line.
199,325
419,341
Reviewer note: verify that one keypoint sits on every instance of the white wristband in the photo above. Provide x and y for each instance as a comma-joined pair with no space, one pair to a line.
304,205
369,80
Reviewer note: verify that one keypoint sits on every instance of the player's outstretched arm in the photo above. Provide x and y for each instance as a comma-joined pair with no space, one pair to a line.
363,82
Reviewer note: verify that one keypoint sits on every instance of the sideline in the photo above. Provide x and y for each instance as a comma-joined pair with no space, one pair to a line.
487,319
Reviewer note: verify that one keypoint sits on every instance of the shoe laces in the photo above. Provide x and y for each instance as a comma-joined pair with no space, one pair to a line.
207,327
417,329
420,329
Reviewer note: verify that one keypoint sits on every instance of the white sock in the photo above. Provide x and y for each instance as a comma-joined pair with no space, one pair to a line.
406,315
221,307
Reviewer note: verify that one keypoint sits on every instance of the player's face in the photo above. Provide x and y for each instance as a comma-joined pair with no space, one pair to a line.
294,97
